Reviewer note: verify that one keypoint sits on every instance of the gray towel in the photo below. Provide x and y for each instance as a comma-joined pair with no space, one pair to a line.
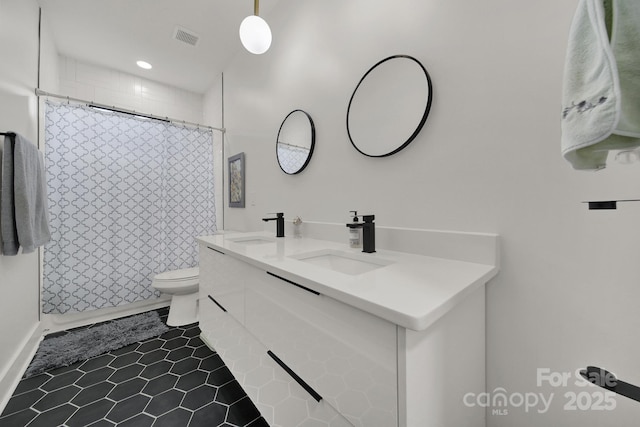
30,195
8,229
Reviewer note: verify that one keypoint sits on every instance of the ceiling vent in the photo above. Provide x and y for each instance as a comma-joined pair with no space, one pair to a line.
186,36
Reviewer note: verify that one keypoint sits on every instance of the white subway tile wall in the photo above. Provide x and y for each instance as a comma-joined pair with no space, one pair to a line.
111,87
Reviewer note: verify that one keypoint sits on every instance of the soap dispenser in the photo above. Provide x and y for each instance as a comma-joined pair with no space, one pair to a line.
355,232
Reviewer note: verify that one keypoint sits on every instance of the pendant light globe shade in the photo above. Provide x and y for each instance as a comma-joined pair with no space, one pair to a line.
255,34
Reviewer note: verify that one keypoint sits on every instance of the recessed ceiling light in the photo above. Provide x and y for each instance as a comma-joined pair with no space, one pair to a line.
144,64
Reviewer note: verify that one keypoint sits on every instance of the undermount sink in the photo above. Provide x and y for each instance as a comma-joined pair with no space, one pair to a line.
251,240
342,262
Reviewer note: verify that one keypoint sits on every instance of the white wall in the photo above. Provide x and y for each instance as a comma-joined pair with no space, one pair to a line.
18,112
49,67
488,160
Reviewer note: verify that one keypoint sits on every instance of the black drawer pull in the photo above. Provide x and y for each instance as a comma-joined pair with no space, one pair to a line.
294,283
217,303
215,250
299,380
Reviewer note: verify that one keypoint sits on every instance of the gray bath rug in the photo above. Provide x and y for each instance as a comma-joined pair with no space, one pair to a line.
82,344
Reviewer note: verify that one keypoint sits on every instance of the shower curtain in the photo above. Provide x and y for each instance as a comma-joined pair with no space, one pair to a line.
127,196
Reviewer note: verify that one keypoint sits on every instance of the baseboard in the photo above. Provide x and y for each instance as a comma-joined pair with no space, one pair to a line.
19,363
60,322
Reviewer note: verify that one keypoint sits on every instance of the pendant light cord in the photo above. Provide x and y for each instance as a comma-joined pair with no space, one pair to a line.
256,7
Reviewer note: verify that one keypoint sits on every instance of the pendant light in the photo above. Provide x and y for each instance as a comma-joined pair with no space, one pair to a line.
255,33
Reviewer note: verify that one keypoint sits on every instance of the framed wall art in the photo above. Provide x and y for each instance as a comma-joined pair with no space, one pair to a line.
236,181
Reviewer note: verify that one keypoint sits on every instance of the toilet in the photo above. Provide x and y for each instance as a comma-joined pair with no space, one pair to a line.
183,287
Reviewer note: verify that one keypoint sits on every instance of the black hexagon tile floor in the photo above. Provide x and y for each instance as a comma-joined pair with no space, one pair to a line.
173,380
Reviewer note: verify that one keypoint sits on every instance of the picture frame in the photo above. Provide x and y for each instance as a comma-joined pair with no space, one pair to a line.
236,181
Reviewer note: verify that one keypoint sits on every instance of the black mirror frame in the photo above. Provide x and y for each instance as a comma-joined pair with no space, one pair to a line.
422,120
313,142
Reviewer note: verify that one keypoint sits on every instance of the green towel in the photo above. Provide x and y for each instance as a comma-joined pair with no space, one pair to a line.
601,90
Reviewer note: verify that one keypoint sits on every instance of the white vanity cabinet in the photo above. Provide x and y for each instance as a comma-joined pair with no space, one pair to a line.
402,345
346,356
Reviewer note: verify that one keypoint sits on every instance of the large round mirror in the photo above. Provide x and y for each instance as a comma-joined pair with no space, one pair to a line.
295,142
389,106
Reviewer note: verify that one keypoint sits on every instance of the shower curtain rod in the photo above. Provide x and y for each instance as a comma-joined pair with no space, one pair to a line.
40,92
293,145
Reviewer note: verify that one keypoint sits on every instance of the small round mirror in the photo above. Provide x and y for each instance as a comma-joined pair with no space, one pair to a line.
295,142
389,106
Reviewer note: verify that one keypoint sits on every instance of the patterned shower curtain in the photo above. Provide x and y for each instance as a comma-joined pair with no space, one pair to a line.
127,196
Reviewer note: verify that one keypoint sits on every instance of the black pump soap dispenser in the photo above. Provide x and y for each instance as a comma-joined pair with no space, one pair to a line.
355,232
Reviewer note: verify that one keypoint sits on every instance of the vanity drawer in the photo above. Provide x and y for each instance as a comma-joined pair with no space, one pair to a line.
221,276
348,356
281,400
219,330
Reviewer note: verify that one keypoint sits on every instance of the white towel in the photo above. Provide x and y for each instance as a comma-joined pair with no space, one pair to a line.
601,90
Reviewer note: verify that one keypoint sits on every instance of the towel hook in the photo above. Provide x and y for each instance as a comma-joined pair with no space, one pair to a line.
607,204
608,381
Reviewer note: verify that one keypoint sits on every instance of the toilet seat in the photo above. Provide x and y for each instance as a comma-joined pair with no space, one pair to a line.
182,274
177,282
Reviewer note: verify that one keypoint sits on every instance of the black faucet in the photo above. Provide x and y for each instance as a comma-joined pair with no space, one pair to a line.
279,223
368,232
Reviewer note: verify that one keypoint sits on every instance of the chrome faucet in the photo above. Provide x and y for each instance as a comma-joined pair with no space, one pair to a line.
368,232
279,223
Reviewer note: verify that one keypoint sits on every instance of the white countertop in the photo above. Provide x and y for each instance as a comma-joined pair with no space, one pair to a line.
413,292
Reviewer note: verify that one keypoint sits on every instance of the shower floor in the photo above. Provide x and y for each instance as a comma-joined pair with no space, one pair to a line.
173,380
